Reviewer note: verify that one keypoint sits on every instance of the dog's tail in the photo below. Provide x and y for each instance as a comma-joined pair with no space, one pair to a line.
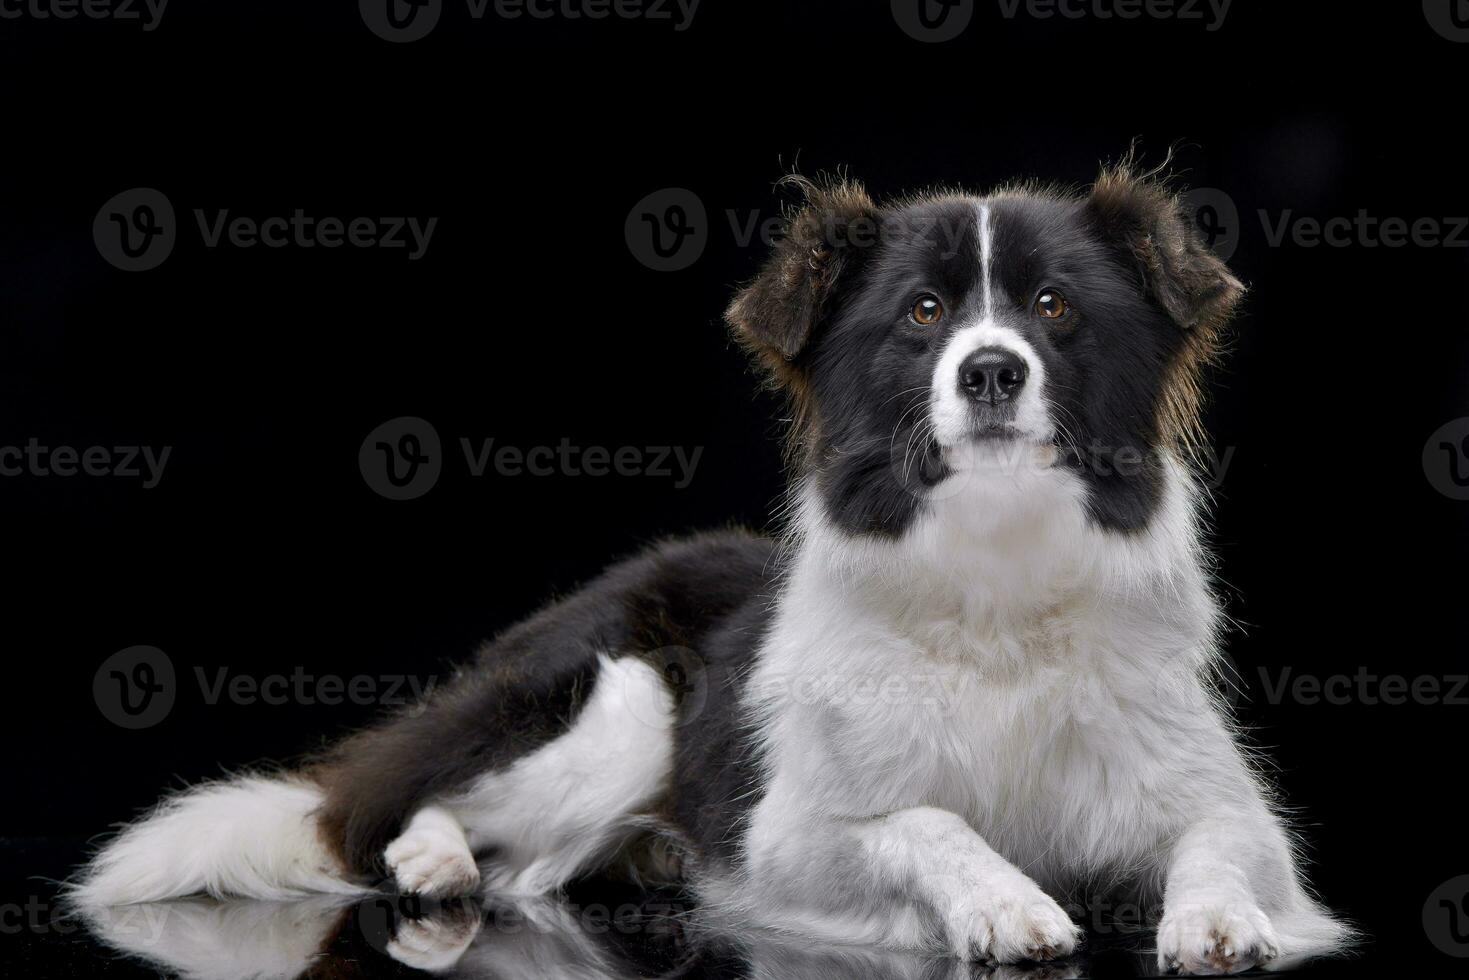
248,837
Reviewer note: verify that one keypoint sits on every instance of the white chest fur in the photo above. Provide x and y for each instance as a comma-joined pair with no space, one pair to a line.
1004,661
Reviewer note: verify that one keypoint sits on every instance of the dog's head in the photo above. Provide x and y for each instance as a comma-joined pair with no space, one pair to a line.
940,336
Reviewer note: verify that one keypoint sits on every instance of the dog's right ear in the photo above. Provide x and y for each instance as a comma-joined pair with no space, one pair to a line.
774,316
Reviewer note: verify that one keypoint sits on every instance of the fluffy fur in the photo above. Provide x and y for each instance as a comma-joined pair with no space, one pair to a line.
972,682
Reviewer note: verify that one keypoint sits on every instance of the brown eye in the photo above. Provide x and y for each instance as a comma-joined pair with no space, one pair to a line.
1051,304
928,310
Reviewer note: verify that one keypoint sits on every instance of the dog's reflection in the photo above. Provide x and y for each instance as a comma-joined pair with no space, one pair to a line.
211,940
331,938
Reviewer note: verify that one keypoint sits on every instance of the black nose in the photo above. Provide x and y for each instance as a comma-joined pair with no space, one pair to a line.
992,374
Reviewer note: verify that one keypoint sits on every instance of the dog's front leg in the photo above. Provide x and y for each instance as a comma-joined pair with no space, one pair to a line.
900,878
1213,922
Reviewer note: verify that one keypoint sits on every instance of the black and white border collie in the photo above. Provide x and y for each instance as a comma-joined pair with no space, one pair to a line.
971,680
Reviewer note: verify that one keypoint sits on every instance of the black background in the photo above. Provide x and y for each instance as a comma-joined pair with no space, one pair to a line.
529,320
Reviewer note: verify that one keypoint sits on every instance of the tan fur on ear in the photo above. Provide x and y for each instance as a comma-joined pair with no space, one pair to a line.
1191,283
774,314
773,317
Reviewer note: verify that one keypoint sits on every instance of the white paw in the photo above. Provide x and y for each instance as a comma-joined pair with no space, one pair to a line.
432,860
1209,939
1010,922
434,944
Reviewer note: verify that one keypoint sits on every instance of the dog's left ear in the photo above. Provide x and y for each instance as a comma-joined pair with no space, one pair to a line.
1142,213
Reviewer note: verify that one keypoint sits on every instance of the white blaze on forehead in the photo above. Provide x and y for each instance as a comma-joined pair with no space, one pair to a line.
985,251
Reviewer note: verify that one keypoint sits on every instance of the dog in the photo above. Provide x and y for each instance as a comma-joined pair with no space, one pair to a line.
972,677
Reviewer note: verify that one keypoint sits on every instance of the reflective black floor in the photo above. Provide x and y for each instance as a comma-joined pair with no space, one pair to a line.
601,931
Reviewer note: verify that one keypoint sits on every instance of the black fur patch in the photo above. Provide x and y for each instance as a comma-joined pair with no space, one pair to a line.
870,366
716,780
526,687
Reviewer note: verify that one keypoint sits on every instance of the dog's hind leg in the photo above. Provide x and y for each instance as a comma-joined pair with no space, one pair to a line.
549,748
571,804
